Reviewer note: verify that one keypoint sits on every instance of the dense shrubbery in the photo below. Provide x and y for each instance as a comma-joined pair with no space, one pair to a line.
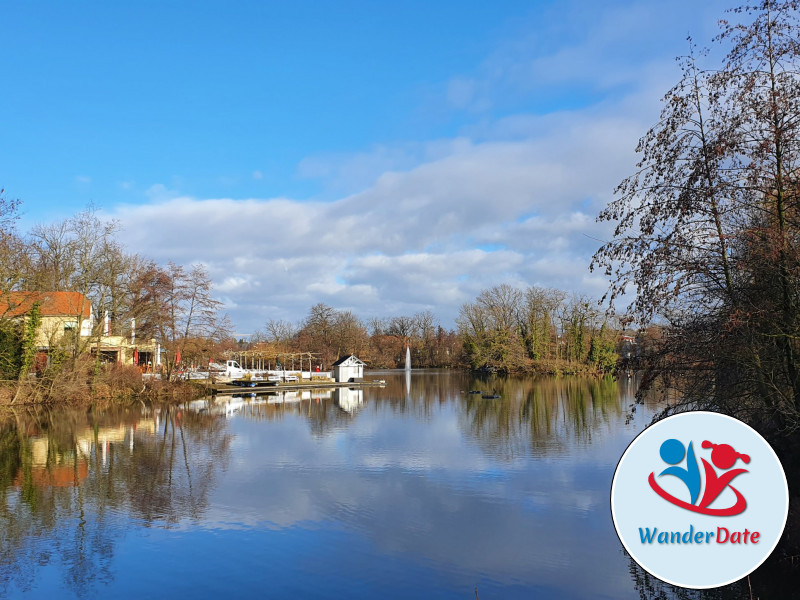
521,330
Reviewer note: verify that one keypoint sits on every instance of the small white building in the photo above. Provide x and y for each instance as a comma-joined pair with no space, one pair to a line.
349,368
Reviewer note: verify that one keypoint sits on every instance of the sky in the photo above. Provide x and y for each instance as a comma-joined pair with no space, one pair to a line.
382,157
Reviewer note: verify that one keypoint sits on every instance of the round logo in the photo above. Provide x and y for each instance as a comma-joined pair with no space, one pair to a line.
699,500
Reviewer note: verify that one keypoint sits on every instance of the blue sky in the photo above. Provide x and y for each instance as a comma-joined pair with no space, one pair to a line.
384,157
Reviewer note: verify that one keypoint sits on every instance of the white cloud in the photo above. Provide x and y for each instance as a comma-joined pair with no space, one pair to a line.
470,215
510,198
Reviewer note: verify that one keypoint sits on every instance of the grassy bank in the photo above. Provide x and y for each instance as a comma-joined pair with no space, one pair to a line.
85,382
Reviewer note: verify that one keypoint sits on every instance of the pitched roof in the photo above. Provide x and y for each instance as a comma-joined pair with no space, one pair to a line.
354,362
51,304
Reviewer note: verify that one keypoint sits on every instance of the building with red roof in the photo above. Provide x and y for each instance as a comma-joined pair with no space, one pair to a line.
62,313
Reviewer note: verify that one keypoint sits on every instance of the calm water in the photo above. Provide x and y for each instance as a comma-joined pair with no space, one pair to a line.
415,490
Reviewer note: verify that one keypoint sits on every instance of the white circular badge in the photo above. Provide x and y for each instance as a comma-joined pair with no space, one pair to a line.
699,500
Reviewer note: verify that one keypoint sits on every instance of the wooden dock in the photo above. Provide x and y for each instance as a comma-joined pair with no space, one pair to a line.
255,387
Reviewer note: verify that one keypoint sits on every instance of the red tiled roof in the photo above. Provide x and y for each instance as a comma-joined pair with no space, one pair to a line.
51,304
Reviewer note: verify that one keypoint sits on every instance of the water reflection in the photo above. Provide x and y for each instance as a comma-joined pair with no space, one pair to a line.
543,417
349,399
415,489
249,405
66,476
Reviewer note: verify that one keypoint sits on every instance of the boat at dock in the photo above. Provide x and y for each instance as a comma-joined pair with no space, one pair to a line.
254,383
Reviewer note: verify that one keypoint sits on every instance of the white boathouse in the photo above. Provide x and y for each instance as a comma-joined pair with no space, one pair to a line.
348,368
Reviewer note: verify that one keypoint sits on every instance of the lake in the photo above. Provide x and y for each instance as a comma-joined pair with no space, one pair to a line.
418,489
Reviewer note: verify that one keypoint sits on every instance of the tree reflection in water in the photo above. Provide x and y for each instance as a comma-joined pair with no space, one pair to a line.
70,481
532,416
424,477
541,416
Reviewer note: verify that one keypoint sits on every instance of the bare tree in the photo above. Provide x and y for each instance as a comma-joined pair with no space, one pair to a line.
675,214
378,326
177,306
14,253
708,228
278,332
402,328
491,328
502,304
53,264
426,325
348,334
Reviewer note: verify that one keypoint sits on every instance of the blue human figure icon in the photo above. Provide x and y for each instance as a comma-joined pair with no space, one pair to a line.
672,453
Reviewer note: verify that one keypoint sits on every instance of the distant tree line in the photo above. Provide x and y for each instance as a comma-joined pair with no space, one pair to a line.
331,333
504,329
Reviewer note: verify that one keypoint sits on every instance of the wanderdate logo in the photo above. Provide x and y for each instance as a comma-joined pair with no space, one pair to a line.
699,500
723,457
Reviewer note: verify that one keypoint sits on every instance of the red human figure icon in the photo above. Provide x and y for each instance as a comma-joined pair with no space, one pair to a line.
724,457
